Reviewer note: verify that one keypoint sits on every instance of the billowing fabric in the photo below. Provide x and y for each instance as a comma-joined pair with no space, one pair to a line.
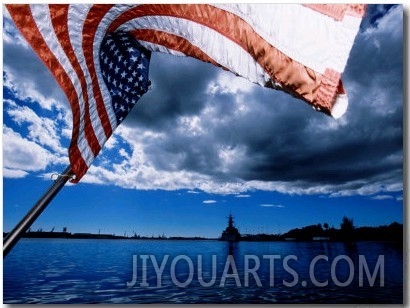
300,49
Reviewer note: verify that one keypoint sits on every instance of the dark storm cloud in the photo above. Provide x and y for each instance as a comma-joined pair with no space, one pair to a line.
178,89
375,12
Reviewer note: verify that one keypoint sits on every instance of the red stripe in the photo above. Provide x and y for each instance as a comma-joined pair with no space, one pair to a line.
91,23
172,42
338,11
330,87
356,10
77,163
59,15
294,76
23,19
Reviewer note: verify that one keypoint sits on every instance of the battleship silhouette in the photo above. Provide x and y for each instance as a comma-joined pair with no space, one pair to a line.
231,233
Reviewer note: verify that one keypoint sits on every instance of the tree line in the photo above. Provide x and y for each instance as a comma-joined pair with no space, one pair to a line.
347,232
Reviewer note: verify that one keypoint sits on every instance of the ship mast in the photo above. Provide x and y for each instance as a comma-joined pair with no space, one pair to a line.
230,221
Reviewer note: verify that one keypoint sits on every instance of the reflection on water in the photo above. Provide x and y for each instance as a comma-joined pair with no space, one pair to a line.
97,271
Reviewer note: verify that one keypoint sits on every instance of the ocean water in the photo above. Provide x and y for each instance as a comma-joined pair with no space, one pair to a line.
63,271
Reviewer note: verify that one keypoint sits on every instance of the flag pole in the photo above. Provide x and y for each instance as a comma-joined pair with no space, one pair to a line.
14,236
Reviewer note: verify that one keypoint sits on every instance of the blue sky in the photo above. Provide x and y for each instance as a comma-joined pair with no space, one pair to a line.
203,143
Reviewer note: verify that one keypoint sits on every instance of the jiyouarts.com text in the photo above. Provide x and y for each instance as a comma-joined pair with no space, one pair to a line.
277,270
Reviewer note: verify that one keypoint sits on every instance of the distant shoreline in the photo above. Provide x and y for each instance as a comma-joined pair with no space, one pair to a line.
313,233
252,238
68,235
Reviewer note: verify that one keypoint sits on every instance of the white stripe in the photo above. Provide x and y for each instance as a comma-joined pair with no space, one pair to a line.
160,48
41,15
307,36
218,47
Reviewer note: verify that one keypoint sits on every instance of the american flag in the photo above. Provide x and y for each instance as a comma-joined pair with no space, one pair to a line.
300,49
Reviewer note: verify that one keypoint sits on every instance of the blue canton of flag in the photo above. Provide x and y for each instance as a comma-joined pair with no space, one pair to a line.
124,66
